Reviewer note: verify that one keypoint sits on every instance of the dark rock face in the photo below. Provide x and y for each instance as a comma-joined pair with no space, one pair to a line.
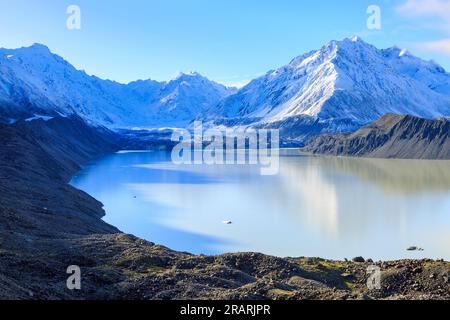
47,225
37,160
393,136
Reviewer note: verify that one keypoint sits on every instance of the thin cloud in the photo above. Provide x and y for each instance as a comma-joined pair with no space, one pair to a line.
439,11
426,8
440,47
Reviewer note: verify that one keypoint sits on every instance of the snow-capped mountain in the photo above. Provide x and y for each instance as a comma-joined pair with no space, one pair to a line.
180,100
35,81
340,87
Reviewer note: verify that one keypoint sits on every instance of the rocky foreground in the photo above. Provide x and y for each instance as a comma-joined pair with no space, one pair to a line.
47,225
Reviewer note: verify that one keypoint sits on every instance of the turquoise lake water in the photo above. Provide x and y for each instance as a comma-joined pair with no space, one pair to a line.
326,207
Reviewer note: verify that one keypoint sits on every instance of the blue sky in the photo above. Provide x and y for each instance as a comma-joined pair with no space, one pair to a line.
230,41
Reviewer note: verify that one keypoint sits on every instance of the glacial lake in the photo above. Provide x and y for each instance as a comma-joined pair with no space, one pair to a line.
325,207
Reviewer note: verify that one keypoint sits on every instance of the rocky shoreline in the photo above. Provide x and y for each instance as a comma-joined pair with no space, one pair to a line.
47,225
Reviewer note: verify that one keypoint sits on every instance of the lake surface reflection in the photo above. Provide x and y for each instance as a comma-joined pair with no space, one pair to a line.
316,206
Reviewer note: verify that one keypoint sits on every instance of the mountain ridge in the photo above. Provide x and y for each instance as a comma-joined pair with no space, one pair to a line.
392,136
344,85
33,80
339,88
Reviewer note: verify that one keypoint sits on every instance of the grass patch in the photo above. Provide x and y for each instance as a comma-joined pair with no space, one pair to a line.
350,285
281,292
319,264
157,270
333,265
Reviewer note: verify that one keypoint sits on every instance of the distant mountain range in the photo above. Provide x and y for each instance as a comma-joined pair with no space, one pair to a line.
339,88
392,136
33,81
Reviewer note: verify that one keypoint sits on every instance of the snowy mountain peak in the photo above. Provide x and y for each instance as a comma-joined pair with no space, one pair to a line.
342,86
35,81
345,84
403,52
34,50
190,76
38,47
332,49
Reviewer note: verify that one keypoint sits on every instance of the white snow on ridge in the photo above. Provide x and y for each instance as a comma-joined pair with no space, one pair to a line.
48,83
39,117
403,52
347,80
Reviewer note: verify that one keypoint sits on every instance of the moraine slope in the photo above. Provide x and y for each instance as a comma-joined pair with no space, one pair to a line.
393,136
